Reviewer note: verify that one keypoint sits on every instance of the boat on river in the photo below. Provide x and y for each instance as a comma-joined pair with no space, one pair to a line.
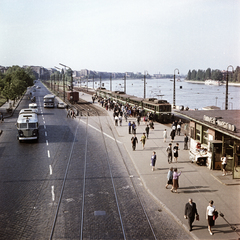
213,82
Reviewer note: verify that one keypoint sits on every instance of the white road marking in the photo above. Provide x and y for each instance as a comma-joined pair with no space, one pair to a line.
53,194
46,134
44,126
100,131
48,153
43,122
47,142
50,168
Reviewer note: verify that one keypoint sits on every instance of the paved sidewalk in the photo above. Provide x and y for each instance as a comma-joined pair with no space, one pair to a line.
197,182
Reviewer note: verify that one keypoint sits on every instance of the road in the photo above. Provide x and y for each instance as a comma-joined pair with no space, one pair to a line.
76,182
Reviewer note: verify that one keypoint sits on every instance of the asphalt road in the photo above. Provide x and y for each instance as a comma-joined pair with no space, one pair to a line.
76,182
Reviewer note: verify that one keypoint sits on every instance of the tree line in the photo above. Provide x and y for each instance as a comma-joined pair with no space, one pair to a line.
15,81
214,74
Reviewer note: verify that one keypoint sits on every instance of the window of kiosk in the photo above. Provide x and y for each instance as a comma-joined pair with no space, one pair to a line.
205,135
199,133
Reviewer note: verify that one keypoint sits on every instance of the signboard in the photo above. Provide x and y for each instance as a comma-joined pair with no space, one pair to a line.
217,121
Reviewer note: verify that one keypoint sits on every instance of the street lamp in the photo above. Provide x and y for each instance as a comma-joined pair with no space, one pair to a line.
125,82
58,76
144,82
174,91
71,75
111,82
226,99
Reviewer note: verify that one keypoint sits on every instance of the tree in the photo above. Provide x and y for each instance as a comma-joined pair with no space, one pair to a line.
189,75
208,74
194,74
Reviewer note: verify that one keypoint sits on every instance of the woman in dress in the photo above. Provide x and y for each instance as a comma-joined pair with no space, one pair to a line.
143,140
175,180
209,216
169,177
175,152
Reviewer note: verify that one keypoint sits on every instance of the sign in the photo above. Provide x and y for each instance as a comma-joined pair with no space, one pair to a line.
217,121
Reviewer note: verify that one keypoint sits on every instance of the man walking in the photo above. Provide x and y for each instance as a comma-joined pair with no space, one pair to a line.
190,212
147,130
134,141
185,142
169,152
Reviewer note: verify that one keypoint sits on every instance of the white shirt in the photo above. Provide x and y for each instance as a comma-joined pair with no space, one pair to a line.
210,210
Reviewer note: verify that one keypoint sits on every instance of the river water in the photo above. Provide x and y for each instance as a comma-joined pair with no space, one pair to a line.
193,95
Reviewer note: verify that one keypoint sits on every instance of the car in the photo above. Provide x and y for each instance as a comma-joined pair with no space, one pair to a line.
38,87
61,105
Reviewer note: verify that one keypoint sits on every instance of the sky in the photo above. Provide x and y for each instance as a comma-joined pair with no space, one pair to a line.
121,35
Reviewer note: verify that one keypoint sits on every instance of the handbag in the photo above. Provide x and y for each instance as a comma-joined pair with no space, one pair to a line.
197,217
215,215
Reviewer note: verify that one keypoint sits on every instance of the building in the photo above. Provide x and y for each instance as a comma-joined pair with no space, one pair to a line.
212,134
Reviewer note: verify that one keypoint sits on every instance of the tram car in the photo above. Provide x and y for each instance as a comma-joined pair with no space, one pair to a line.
162,108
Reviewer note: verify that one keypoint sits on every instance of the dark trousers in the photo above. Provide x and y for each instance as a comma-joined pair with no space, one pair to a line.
129,130
169,158
190,222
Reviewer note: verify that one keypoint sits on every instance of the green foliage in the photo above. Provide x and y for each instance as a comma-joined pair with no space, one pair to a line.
216,74
15,82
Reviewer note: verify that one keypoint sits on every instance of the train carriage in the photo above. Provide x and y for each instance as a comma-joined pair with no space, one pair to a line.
162,108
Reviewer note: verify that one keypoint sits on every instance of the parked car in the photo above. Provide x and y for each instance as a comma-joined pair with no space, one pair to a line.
61,105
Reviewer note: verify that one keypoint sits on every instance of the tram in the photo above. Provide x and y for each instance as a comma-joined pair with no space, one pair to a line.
162,108
27,125
48,100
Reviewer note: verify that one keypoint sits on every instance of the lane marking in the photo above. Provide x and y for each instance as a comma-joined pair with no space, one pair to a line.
48,153
45,134
47,142
50,168
53,194
98,130
44,126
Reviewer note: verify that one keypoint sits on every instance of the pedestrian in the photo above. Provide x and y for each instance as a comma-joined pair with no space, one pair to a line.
129,127
185,142
224,163
120,120
116,120
138,119
73,114
153,160
209,216
178,129
172,134
147,130
134,128
190,212
143,140
164,135
175,185
169,152
134,141
151,124
175,152
68,113
169,177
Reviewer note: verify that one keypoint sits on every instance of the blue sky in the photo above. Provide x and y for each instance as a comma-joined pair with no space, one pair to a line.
121,35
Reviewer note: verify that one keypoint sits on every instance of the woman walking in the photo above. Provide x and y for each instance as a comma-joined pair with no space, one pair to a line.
143,140
153,160
175,152
175,180
209,216
172,134
169,177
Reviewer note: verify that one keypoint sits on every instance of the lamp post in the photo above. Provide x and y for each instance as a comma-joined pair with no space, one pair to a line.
174,90
226,99
125,82
144,82
111,82
58,77
71,75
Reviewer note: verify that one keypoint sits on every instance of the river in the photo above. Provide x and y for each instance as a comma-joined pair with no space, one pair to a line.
193,95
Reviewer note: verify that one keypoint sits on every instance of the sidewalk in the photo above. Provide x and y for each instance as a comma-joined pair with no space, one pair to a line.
196,182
